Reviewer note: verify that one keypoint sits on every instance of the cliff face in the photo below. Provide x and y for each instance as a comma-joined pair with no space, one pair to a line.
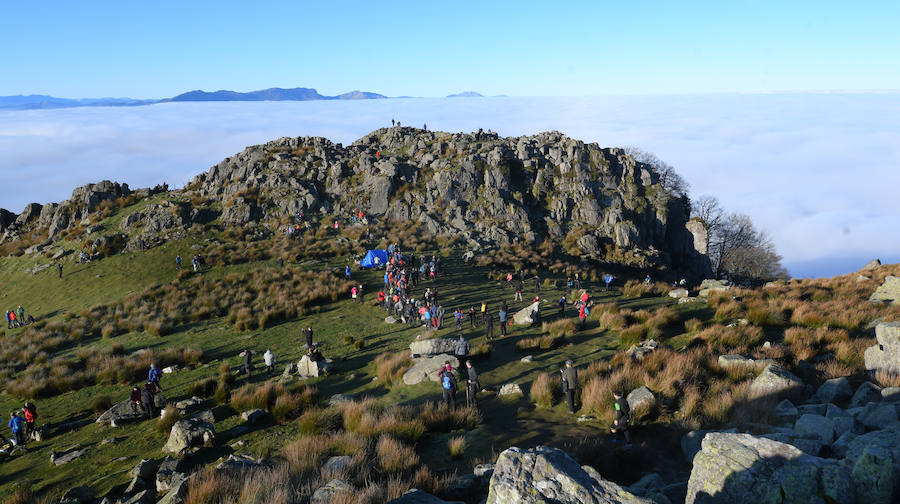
491,190
596,202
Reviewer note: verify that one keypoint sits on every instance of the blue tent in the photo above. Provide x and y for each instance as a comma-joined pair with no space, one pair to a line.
369,260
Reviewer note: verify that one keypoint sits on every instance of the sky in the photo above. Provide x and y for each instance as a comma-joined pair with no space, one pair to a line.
591,48
818,172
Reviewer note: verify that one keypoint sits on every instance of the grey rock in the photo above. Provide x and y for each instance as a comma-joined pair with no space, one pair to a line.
735,361
786,412
878,415
426,368
888,292
432,346
641,399
483,470
529,315
324,494
178,487
205,415
336,399
66,456
774,380
188,403
548,475
121,413
642,349
527,359
873,264
238,463
835,390
336,464
874,475
743,468
143,497
254,416
145,469
678,293
866,393
308,368
689,299
166,474
812,409
890,394
885,354
816,427
79,495
842,444
709,286
189,432
510,389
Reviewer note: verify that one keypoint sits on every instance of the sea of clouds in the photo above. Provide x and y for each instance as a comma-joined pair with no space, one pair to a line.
819,172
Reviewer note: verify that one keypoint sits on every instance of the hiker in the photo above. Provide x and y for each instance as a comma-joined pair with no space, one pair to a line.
359,293
537,283
308,334
20,315
489,326
462,348
502,316
448,385
577,282
381,298
648,280
59,268
148,400
569,285
17,425
248,362
483,310
135,398
30,412
458,316
562,305
177,262
195,262
269,359
393,122
472,316
509,279
347,272
9,319
425,127
608,280
353,292
582,315
569,384
519,287
154,375
14,319
623,416
472,386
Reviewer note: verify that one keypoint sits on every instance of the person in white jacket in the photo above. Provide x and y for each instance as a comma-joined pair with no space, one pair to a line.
269,359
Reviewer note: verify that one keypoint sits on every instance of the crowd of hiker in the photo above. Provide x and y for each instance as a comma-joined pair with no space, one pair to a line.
16,318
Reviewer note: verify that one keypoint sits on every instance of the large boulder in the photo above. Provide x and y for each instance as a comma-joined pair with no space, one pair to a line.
885,354
641,400
865,393
426,368
529,315
888,292
875,462
734,361
733,468
189,432
835,390
309,368
709,286
178,488
432,346
774,380
815,427
548,475
678,293
121,413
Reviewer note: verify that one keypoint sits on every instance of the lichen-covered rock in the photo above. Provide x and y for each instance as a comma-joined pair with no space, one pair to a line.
816,427
709,286
774,380
309,368
678,293
548,475
878,415
785,411
885,354
426,368
735,468
734,361
888,292
189,432
432,346
641,400
510,389
332,489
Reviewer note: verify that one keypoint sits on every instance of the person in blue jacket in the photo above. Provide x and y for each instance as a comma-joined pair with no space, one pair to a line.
154,375
347,271
17,425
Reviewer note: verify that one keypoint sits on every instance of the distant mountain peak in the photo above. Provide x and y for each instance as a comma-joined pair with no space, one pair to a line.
466,94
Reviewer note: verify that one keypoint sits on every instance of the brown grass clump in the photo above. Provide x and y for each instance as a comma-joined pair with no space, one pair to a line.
545,342
170,416
886,379
609,320
306,454
833,369
693,325
438,418
283,402
456,446
394,456
389,367
562,328
545,391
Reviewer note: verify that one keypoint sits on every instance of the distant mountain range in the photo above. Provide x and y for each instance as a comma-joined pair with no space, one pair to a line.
33,102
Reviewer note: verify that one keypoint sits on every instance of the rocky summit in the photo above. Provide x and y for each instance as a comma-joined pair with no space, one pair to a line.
598,202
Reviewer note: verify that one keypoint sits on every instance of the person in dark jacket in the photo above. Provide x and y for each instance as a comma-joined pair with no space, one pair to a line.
447,379
148,400
569,384
489,326
153,376
135,398
462,348
308,334
472,386
248,362
623,416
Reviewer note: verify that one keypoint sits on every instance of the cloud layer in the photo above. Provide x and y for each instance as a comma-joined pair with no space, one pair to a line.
819,172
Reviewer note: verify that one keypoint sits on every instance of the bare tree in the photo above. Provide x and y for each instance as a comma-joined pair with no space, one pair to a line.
668,177
736,248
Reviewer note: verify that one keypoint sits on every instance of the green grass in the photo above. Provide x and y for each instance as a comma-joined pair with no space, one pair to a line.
462,285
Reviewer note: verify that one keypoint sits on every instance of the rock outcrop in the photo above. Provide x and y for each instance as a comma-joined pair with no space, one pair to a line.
548,475
888,292
774,380
529,315
189,432
426,368
885,354
432,346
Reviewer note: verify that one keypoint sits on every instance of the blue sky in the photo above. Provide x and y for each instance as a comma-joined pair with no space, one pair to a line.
159,49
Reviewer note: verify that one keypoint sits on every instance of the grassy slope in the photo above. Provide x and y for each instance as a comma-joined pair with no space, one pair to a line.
103,281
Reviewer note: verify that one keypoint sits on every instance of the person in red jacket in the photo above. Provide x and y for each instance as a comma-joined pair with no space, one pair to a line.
30,412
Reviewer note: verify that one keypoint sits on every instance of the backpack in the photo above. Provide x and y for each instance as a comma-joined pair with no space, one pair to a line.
587,310
446,382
